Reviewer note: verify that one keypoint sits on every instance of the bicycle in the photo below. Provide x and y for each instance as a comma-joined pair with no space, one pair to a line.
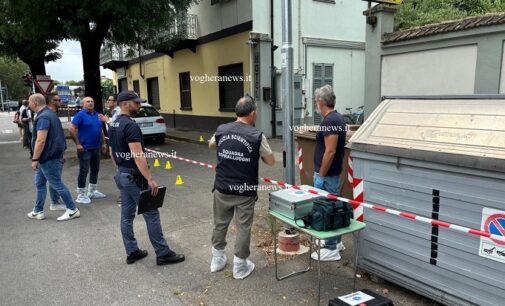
356,117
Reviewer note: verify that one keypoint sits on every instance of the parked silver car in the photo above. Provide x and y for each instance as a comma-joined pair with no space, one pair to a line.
151,123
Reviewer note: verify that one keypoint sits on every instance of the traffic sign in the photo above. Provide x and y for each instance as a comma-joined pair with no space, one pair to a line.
44,85
493,222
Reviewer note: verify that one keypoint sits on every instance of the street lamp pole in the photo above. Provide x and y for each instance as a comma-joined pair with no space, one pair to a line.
287,93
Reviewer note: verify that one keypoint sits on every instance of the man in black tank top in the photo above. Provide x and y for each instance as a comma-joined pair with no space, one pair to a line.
239,147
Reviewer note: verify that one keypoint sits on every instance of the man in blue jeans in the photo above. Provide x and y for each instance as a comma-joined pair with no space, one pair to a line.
87,133
133,175
328,158
53,103
48,146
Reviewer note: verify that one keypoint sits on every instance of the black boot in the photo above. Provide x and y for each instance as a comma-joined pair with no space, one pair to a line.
170,258
137,255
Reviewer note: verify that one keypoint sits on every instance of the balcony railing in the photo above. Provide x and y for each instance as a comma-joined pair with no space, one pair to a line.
183,27
111,53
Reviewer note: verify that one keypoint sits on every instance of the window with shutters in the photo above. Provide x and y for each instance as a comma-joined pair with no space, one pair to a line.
136,87
322,75
185,90
153,92
232,89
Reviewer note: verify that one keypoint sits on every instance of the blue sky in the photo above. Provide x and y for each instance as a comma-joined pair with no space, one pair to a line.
69,67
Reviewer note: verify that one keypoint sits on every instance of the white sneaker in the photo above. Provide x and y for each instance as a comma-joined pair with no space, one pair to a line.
321,243
218,260
340,246
93,193
36,215
83,199
327,255
96,195
69,214
242,268
57,207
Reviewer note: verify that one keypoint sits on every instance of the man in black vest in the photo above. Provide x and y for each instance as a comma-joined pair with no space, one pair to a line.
239,147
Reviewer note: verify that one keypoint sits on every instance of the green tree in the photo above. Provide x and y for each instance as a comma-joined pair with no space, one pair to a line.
29,30
11,72
413,13
74,83
119,21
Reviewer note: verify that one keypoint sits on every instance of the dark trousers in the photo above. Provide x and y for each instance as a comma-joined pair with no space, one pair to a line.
27,138
88,160
130,195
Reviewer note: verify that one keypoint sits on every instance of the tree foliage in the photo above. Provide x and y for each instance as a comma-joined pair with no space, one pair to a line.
413,13
74,83
125,22
11,73
29,30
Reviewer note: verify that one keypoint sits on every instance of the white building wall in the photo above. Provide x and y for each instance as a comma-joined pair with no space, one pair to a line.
348,76
342,20
447,71
339,21
213,18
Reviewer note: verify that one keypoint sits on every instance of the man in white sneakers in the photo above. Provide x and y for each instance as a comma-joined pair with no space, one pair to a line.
239,147
328,158
49,144
87,133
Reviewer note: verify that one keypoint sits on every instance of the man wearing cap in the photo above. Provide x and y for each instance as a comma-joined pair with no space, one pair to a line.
132,176
87,133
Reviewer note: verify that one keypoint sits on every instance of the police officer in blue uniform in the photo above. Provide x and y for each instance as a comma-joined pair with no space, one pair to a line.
239,147
132,176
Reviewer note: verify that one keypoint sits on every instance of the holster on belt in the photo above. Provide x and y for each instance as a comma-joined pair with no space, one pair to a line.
140,181
138,178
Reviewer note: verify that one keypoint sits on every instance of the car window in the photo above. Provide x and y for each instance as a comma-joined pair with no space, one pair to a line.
147,112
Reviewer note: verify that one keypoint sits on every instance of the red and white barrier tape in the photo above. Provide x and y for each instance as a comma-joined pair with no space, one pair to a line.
350,171
300,160
356,203
357,190
182,159
359,196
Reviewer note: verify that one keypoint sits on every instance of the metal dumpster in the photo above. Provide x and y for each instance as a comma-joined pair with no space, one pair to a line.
441,158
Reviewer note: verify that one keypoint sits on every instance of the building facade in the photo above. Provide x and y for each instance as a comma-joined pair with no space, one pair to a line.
230,48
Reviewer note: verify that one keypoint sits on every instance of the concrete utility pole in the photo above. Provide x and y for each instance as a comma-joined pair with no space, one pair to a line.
287,93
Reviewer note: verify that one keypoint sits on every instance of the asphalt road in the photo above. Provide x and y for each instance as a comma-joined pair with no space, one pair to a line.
82,261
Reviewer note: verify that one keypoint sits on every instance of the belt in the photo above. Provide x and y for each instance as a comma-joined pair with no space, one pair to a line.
127,170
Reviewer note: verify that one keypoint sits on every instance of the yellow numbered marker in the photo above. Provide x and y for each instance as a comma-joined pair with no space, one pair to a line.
179,181
156,163
168,166
201,139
